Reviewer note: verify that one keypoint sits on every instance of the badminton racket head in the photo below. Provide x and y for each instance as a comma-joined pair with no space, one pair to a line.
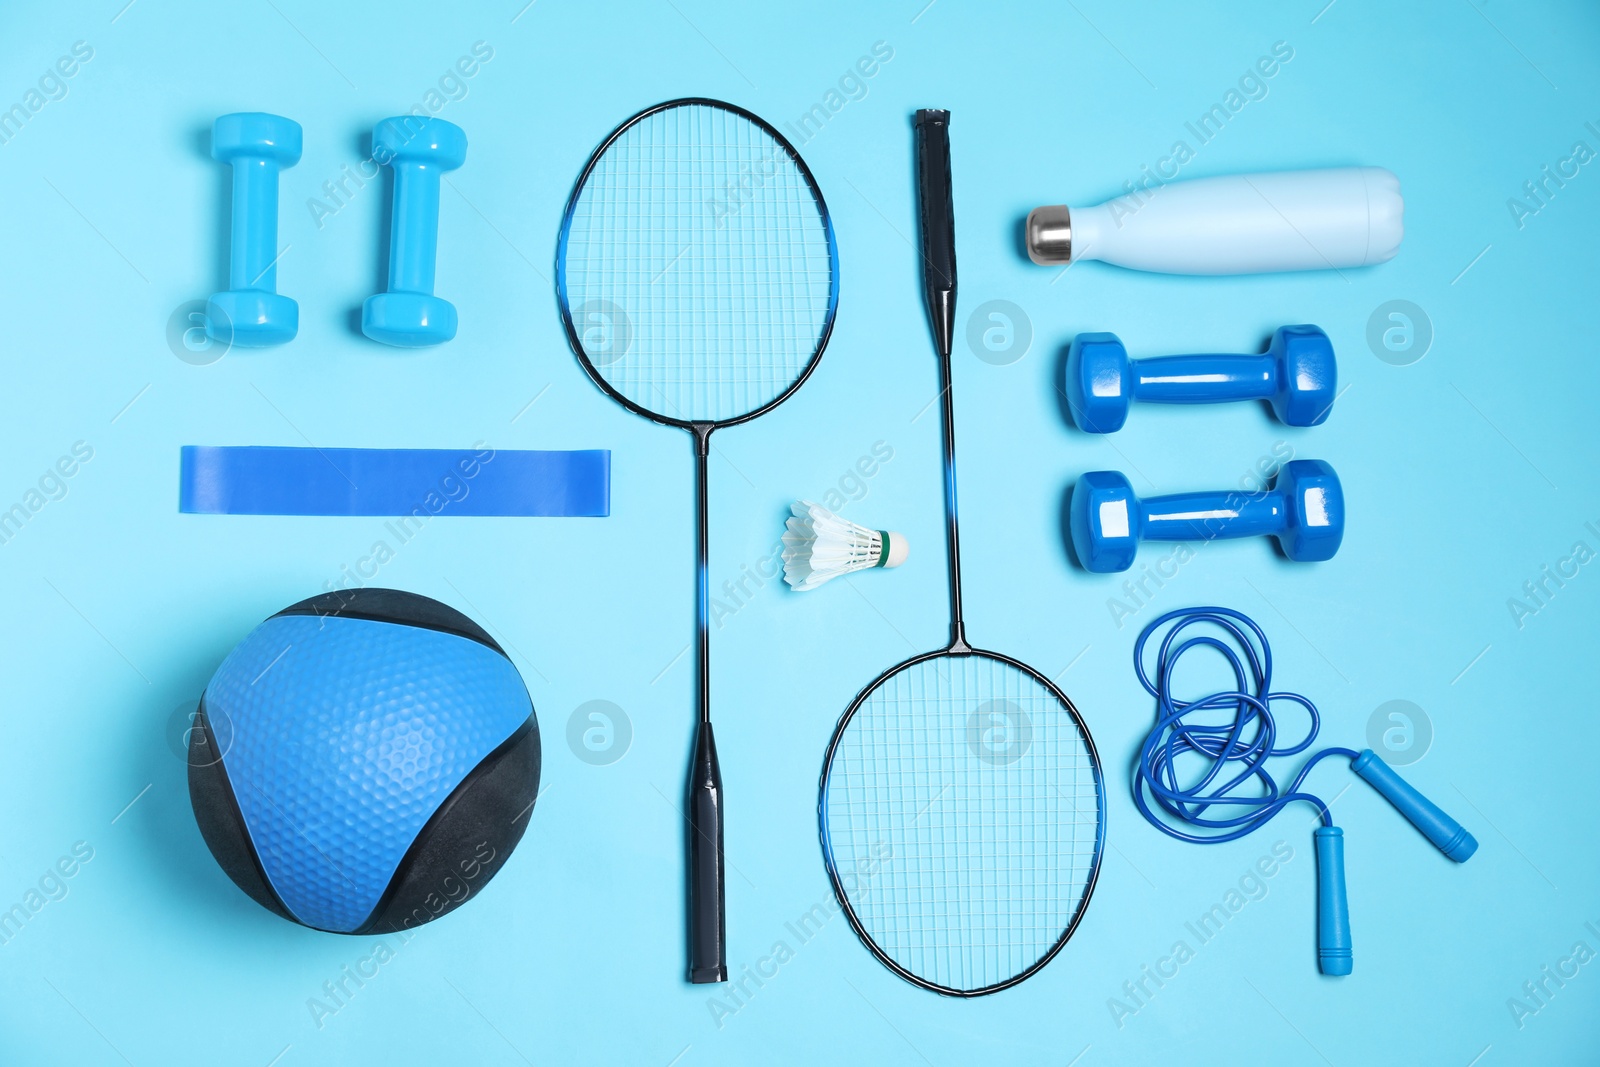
962,819
696,269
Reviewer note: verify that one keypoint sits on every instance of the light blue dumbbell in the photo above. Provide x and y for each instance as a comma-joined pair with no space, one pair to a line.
419,151
251,313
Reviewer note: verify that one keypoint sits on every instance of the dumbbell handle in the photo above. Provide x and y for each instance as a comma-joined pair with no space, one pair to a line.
414,229
1212,515
1239,224
1205,379
253,251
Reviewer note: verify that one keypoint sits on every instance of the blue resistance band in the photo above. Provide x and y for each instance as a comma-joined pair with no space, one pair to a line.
1232,755
397,481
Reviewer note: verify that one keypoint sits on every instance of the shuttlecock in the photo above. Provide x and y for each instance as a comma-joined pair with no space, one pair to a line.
819,545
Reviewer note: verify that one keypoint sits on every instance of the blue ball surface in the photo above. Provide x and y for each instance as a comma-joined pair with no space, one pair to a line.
363,761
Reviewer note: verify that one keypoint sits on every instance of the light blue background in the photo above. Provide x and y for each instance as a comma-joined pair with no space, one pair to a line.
1466,472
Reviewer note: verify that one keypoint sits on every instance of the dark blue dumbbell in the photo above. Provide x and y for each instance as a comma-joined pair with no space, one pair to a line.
419,151
1305,511
1296,373
251,313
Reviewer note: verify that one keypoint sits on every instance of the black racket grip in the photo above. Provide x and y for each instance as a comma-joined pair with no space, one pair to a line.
708,935
938,223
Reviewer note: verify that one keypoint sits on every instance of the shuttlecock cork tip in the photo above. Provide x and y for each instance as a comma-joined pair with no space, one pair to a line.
895,549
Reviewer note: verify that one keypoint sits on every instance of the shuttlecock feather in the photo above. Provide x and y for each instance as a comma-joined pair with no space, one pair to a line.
820,546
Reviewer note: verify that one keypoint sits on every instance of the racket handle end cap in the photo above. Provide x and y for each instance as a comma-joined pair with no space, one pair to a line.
708,975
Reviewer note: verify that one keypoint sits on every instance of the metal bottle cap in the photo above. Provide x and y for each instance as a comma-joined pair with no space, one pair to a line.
1050,235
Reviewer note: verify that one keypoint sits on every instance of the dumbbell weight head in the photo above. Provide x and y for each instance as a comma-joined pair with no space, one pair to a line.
251,318
1099,382
1107,522
412,138
250,313
256,135
419,150
1315,503
1307,375
408,320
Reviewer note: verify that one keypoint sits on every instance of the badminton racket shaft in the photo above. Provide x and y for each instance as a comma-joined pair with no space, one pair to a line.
938,223
708,951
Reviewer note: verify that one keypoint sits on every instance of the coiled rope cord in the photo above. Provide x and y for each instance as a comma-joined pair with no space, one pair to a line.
1234,754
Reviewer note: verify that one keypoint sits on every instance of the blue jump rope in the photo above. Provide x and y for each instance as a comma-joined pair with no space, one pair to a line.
1235,755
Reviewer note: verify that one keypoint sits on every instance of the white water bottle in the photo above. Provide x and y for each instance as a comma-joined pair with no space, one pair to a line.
1240,224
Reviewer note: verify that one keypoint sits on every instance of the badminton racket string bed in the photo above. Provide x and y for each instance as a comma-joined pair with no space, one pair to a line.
1211,771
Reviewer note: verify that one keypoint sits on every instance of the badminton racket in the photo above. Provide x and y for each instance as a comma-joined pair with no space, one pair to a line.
962,809
698,277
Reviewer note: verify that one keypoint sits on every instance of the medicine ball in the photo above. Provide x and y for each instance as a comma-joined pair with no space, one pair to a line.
364,761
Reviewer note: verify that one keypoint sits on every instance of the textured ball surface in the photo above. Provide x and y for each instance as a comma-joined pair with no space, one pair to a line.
364,761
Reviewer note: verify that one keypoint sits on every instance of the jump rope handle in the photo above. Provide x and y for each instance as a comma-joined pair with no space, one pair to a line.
1447,835
1333,907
